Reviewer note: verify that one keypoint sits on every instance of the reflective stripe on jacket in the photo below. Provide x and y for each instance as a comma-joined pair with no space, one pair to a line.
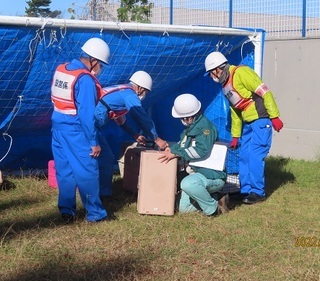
249,98
114,114
196,143
236,100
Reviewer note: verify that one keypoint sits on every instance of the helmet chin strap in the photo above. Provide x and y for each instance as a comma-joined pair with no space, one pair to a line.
190,120
140,95
224,74
92,66
184,123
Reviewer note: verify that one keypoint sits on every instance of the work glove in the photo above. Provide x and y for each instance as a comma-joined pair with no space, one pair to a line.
234,143
277,124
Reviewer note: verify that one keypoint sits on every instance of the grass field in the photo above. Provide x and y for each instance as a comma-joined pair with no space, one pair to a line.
278,239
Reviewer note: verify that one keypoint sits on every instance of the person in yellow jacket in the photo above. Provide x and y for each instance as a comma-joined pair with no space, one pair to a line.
253,114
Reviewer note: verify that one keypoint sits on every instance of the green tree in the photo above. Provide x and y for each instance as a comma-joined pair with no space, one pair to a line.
72,11
135,11
40,8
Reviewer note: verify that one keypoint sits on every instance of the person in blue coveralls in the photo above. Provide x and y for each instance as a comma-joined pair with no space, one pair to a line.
119,100
199,188
253,114
75,92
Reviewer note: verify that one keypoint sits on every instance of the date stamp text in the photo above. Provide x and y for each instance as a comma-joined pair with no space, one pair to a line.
307,241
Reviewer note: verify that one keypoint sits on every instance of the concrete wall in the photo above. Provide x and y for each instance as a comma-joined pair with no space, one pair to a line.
291,71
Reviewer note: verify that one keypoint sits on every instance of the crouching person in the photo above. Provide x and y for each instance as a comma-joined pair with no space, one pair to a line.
199,188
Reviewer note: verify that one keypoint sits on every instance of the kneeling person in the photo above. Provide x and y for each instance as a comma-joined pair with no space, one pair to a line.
199,188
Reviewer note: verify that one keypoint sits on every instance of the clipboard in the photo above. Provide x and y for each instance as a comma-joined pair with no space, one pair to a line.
216,160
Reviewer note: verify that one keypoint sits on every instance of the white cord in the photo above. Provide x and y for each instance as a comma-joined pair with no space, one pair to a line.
11,141
245,42
15,110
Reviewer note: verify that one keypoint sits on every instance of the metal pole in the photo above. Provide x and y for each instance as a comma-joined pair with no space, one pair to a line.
230,13
171,11
94,9
304,18
125,26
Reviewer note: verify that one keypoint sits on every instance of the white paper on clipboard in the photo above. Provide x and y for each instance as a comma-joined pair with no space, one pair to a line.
216,160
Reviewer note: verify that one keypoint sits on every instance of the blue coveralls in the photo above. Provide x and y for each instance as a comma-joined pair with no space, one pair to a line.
252,123
72,138
124,99
256,141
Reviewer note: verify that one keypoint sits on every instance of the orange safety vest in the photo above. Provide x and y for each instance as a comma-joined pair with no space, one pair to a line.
62,88
108,90
232,94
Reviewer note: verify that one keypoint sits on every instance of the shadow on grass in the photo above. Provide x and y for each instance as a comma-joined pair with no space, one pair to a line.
7,185
65,268
276,175
120,197
18,202
9,229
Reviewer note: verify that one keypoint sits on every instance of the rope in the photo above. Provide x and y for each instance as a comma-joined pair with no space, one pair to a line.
8,121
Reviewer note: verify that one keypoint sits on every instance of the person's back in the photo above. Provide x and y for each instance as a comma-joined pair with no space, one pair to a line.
117,101
122,99
67,115
75,92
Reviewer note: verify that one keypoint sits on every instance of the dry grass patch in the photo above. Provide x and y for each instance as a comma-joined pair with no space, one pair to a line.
248,243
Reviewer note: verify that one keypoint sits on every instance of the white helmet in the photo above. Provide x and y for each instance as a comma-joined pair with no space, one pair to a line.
142,79
185,105
214,60
97,48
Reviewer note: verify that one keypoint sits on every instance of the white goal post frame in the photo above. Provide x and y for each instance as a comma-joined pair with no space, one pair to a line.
256,35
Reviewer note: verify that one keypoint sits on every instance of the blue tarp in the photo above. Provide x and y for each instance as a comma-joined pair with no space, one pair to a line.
29,56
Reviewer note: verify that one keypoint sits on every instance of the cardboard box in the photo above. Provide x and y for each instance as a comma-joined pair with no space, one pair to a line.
157,185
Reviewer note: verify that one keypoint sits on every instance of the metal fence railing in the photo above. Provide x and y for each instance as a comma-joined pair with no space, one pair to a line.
295,18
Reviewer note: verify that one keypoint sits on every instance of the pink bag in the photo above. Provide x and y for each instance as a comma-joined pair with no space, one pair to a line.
52,180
